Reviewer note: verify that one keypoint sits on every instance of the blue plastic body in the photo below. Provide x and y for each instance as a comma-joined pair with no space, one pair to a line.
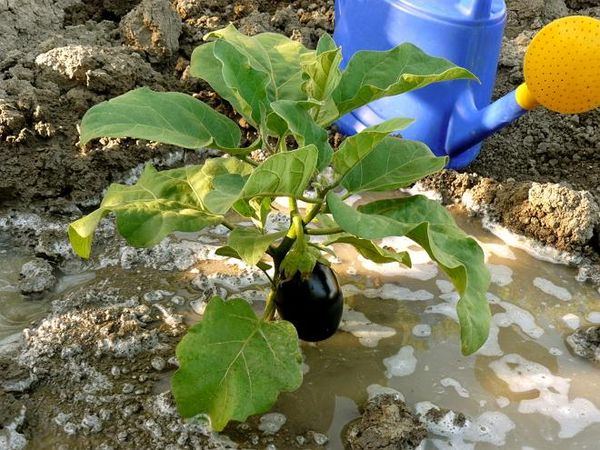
468,33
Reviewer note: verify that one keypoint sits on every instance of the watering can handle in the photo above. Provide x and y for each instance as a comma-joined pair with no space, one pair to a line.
478,9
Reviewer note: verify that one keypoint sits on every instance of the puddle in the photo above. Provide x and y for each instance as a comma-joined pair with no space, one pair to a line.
15,311
523,389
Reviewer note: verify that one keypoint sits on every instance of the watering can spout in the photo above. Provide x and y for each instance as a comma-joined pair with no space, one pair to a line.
468,125
556,77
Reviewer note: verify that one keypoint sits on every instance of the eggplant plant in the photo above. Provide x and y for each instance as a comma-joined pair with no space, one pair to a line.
233,363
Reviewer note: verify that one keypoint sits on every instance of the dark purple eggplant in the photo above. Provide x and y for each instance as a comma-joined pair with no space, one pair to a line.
314,304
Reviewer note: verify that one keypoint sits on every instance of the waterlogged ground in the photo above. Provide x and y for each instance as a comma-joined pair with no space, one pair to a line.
522,390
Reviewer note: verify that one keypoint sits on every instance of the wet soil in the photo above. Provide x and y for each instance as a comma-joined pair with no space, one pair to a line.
540,177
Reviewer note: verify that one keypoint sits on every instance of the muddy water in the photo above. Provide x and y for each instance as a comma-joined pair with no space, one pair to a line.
15,311
523,390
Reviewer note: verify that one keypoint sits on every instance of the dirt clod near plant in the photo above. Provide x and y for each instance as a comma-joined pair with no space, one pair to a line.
385,424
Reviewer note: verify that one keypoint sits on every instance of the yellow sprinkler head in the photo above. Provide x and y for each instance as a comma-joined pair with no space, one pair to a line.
562,66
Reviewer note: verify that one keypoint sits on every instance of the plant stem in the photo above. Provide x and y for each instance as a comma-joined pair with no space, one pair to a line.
227,224
313,211
323,231
250,161
269,313
310,200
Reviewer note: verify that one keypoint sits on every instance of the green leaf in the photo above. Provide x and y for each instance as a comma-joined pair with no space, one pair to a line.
274,54
392,164
372,251
218,183
301,258
283,174
233,365
250,72
251,244
431,226
145,224
323,75
81,232
371,75
229,252
355,148
169,117
304,129
249,86
326,44
157,205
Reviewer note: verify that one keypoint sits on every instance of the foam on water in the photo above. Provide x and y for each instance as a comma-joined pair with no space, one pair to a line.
553,401
490,427
548,287
421,330
388,291
593,317
572,321
455,384
402,363
501,275
368,333
374,390
418,271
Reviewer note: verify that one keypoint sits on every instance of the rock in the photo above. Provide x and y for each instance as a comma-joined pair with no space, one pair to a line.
11,119
100,69
271,423
152,27
36,276
386,424
10,436
585,342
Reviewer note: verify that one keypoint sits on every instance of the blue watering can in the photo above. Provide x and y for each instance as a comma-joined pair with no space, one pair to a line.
562,68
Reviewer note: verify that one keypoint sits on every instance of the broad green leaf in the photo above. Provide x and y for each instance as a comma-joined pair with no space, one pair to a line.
250,72
251,244
304,129
169,117
372,251
229,252
371,75
146,223
157,205
431,226
81,232
393,164
205,65
323,74
249,86
354,148
325,44
283,174
233,365
274,54
225,192
218,182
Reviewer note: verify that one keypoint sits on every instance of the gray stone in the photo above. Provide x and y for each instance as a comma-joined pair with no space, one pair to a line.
10,437
585,342
153,27
36,276
271,423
